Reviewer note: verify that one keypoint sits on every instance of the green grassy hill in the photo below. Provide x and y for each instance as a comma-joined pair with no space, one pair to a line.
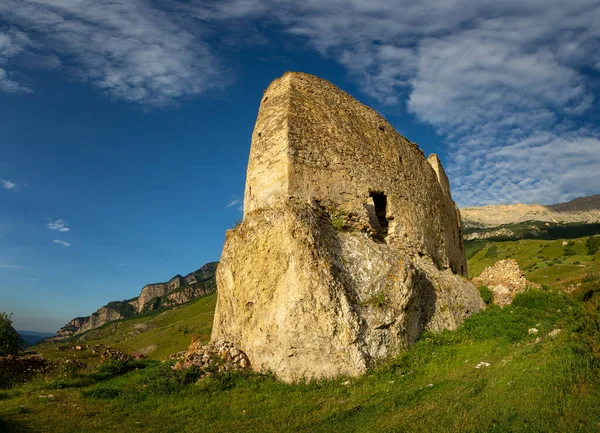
490,375
549,262
154,335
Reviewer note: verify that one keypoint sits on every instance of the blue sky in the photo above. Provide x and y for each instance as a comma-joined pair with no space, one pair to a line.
125,125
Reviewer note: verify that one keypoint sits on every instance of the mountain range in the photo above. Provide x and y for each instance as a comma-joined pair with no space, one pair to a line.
582,210
178,290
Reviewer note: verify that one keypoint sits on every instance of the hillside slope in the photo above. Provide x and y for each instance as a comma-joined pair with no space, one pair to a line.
489,375
492,374
154,335
178,290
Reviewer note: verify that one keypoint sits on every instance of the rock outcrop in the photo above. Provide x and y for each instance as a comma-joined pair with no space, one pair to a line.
178,290
505,279
350,245
500,233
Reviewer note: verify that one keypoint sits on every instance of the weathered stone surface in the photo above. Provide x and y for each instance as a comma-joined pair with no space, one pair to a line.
99,318
350,245
505,279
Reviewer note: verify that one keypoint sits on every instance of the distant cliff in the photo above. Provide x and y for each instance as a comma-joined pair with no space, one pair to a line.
580,210
178,290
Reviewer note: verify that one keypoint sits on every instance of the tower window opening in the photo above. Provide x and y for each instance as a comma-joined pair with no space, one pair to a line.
380,203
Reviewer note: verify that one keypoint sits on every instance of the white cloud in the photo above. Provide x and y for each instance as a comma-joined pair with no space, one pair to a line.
25,279
7,184
503,82
237,202
129,50
487,75
63,243
9,266
59,225
12,43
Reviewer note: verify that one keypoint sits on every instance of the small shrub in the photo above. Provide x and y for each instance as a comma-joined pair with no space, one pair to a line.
591,277
492,252
338,220
569,251
79,382
10,340
592,244
222,382
114,367
57,384
486,294
71,368
165,380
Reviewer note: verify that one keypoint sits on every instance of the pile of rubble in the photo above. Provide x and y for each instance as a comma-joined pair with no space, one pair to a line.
22,367
105,352
505,279
109,353
28,363
216,356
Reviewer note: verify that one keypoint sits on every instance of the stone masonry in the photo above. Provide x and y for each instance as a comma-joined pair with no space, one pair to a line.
350,245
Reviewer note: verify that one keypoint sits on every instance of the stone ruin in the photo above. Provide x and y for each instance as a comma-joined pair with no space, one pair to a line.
350,246
505,279
215,357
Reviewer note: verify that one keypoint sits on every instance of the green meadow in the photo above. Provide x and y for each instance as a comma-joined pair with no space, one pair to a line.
490,375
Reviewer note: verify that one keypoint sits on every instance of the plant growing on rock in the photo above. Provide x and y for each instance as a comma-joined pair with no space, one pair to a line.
377,300
338,219
486,295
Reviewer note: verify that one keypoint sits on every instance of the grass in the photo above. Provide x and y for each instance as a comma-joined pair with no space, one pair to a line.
525,385
156,335
540,230
551,385
543,261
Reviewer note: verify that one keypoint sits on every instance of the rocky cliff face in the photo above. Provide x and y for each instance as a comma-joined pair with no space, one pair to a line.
100,317
350,245
70,328
178,290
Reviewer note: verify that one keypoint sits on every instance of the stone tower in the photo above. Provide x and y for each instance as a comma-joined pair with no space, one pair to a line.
350,244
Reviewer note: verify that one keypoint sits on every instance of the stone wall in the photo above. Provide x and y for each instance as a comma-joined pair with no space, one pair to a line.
313,141
350,244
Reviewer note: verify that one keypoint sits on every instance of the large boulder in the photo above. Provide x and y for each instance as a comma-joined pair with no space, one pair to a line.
350,245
